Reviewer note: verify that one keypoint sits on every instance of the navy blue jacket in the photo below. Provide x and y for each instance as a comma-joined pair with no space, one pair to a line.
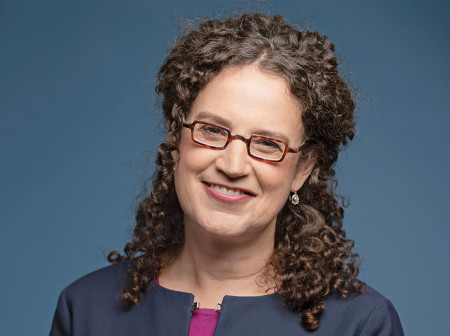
92,306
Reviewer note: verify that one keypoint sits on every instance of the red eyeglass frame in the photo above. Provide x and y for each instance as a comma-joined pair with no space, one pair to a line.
232,137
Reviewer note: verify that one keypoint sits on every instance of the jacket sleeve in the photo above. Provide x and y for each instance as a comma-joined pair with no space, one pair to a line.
62,321
383,321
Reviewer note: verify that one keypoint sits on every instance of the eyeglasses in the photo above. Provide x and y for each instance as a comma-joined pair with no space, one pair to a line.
258,147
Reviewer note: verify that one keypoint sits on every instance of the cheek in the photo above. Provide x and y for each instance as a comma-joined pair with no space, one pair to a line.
194,159
192,162
276,183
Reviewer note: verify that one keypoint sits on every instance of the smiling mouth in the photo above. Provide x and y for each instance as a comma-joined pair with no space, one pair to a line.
227,191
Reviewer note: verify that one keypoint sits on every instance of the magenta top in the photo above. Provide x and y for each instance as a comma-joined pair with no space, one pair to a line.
203,321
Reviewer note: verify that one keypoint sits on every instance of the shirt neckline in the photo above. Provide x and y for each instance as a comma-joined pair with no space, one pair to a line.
250,297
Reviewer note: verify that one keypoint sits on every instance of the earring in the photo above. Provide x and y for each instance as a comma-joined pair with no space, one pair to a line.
294,198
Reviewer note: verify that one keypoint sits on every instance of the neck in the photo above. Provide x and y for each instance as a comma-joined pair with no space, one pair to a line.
211,267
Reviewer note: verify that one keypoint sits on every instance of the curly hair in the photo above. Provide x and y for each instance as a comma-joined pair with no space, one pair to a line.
312,255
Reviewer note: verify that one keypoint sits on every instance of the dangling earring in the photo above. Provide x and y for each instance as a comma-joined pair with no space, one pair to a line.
294,198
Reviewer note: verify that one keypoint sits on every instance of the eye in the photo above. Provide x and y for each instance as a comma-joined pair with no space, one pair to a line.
267,145
212,129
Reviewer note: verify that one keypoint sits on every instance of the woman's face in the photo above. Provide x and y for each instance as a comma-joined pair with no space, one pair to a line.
247,101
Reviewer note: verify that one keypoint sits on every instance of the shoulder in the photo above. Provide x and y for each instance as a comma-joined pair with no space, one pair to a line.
358,302
369,313
93,305
94,297
95,291
104,281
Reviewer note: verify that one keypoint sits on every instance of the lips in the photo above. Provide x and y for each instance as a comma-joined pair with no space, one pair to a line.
227,190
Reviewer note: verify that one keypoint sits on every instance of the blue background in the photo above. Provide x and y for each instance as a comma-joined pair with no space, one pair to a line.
80,126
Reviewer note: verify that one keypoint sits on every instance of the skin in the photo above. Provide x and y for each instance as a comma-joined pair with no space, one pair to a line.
228,240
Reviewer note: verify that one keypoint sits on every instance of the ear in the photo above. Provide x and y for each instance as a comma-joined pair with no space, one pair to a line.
175,155
303,170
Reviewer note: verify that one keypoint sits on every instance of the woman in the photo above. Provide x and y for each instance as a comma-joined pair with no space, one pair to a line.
242,233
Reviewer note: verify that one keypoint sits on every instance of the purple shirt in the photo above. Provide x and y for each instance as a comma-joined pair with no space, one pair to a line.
203,322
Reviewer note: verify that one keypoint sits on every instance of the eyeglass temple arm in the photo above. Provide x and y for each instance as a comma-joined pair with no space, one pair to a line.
291,150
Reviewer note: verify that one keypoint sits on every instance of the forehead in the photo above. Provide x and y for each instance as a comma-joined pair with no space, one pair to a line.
247,99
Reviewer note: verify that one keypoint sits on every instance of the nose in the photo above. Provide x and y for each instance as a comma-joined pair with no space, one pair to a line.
234,161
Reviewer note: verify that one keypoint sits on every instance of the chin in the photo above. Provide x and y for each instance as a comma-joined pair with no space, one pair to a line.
225,229
232,231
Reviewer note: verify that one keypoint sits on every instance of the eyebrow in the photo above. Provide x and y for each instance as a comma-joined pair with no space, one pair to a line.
212,117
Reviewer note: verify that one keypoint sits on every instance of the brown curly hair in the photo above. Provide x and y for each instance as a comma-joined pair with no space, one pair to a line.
312,255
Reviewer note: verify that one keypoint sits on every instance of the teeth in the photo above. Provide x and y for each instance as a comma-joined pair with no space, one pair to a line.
226,191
